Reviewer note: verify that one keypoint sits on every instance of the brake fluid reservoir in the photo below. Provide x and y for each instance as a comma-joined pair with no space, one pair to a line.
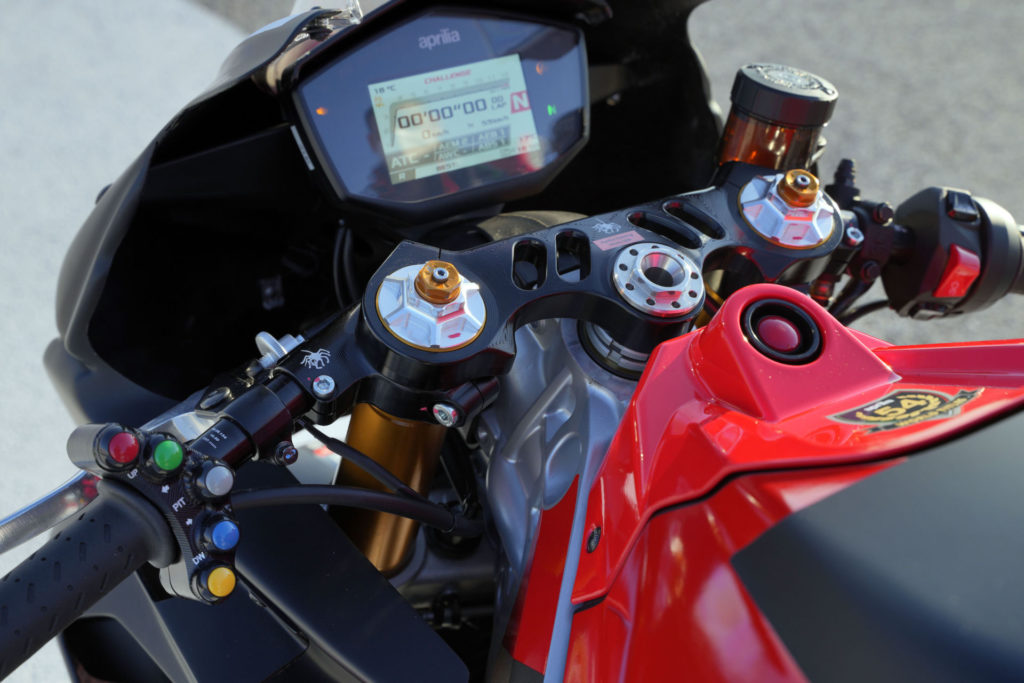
777,115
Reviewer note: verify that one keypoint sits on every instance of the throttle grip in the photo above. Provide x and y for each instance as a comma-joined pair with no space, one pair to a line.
91,554
1018,282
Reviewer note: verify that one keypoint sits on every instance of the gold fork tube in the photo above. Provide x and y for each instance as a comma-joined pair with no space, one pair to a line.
410,450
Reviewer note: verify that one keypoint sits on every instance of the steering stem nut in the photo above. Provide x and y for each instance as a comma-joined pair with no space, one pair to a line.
798,188
438,282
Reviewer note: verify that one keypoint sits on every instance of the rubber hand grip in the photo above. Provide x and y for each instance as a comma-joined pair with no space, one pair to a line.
111,538
1018,283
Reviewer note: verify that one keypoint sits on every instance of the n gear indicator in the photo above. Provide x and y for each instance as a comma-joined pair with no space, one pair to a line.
454,118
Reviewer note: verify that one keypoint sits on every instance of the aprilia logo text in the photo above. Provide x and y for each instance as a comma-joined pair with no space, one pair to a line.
444,37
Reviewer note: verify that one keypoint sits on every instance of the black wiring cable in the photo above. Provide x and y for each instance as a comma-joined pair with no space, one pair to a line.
339,240
363,461
861,311
347,271
421,511
853,290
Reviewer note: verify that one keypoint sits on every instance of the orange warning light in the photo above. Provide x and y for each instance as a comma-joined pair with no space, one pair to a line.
541,68
321,110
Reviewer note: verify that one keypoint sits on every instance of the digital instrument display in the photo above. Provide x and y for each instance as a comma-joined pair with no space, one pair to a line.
454,118
444,111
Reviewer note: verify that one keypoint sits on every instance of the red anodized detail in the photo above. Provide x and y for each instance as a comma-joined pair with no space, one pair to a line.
677,611
124,447
962,269
710,406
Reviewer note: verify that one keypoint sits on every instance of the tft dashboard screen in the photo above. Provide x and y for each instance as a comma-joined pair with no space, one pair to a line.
454,118
446,110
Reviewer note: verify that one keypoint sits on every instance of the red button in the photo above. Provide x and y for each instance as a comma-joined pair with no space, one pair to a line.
962,270
778,334
124,447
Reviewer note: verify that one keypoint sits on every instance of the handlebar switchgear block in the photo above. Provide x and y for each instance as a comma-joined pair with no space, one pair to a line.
183,485
967,254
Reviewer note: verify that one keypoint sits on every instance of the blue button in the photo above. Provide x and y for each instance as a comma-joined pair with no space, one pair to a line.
224,535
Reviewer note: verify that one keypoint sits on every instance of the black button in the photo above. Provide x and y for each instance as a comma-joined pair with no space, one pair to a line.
960,207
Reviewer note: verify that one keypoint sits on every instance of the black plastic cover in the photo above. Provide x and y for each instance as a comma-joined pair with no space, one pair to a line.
911,575
298,560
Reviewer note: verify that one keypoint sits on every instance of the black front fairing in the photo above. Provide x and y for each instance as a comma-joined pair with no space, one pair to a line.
220,229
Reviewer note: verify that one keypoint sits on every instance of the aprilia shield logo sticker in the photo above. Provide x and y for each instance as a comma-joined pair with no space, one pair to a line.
906,408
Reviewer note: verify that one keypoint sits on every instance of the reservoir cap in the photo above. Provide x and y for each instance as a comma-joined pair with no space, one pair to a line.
784,95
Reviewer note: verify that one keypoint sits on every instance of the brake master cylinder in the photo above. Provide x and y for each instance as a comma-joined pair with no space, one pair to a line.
777,116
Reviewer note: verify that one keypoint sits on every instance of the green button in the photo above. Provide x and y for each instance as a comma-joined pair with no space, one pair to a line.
168,455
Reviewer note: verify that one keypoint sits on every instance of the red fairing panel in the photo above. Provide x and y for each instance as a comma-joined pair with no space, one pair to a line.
710,406
677,611
718,445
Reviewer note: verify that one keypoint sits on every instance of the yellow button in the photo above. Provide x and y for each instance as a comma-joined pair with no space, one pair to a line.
221,582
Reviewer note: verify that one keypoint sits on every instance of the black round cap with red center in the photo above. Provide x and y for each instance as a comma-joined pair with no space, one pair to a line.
123,448
782,331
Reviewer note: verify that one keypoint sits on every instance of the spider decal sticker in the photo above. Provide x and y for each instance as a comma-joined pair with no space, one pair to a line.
316,360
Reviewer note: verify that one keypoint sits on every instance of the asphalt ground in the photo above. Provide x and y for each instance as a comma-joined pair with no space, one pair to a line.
930,94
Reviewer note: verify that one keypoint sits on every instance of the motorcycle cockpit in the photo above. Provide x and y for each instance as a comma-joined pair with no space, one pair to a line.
447,111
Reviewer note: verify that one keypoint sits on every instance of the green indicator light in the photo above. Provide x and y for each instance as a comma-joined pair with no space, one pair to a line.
168,455
552,110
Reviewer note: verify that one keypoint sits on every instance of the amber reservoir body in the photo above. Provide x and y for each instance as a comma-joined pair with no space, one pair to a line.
767,144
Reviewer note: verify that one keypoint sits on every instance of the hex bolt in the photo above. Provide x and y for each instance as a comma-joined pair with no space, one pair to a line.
323,387
870,270
883,213
446,415
853,237
593,539
286,453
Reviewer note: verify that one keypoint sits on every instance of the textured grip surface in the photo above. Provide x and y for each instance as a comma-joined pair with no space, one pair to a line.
91,555
1018,282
